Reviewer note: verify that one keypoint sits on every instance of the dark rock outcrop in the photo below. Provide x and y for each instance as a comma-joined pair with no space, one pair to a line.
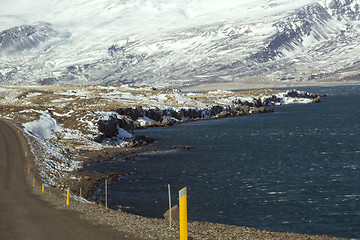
166,121
167,117
133,113
296,94
143,140
110,128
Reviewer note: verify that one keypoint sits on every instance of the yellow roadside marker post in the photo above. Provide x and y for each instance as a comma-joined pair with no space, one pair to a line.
25,154
68,197
183,214
18,131
28,170
43,189
33,182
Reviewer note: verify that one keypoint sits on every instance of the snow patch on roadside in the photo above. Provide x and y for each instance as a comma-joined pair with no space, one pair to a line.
53,161
45,127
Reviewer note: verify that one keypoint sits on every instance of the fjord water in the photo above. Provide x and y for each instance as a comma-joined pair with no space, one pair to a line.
295,170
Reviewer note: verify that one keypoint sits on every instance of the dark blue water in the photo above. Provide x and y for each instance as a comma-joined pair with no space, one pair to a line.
295,170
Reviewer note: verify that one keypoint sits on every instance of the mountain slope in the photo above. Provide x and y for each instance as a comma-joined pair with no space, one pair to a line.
183,43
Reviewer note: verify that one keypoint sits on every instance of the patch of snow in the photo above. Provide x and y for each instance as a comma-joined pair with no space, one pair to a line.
50,158
123,134
144,120
62,100
63,115
286,100
106,115
80,199
27,111
72,134
162,97
219,92
45,127
226,101
33,94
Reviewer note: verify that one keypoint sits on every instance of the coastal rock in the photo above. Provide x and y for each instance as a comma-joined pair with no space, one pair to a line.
272,100
190,113
296,94
125,124
155,117
214,110
317,99
87,178
224,114
154,114
108,127
166,121
262,110
174,214
239,113
133,144
133,113
245,109
258,102
175,115
269,110
143,140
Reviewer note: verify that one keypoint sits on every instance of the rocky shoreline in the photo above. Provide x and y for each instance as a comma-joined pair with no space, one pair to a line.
79,135
156,117
161,118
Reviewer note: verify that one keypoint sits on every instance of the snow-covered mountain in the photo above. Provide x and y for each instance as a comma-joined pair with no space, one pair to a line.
179,43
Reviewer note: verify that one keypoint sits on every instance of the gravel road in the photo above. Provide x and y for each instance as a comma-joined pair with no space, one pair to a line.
24,215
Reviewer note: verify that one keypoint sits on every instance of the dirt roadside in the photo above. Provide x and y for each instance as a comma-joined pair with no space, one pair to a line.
25,215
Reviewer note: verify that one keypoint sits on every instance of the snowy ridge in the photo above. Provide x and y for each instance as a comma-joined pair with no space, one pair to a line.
180,43
18,39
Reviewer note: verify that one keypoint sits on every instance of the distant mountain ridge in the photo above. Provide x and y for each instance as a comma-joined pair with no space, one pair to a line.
317,40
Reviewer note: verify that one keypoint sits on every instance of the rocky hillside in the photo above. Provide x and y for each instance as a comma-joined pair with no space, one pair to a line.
25,37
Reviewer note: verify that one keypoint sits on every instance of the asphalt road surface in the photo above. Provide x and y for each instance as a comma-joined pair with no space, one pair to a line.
24,215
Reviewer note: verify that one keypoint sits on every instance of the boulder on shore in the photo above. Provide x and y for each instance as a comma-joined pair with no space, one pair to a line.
166,121
174,214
